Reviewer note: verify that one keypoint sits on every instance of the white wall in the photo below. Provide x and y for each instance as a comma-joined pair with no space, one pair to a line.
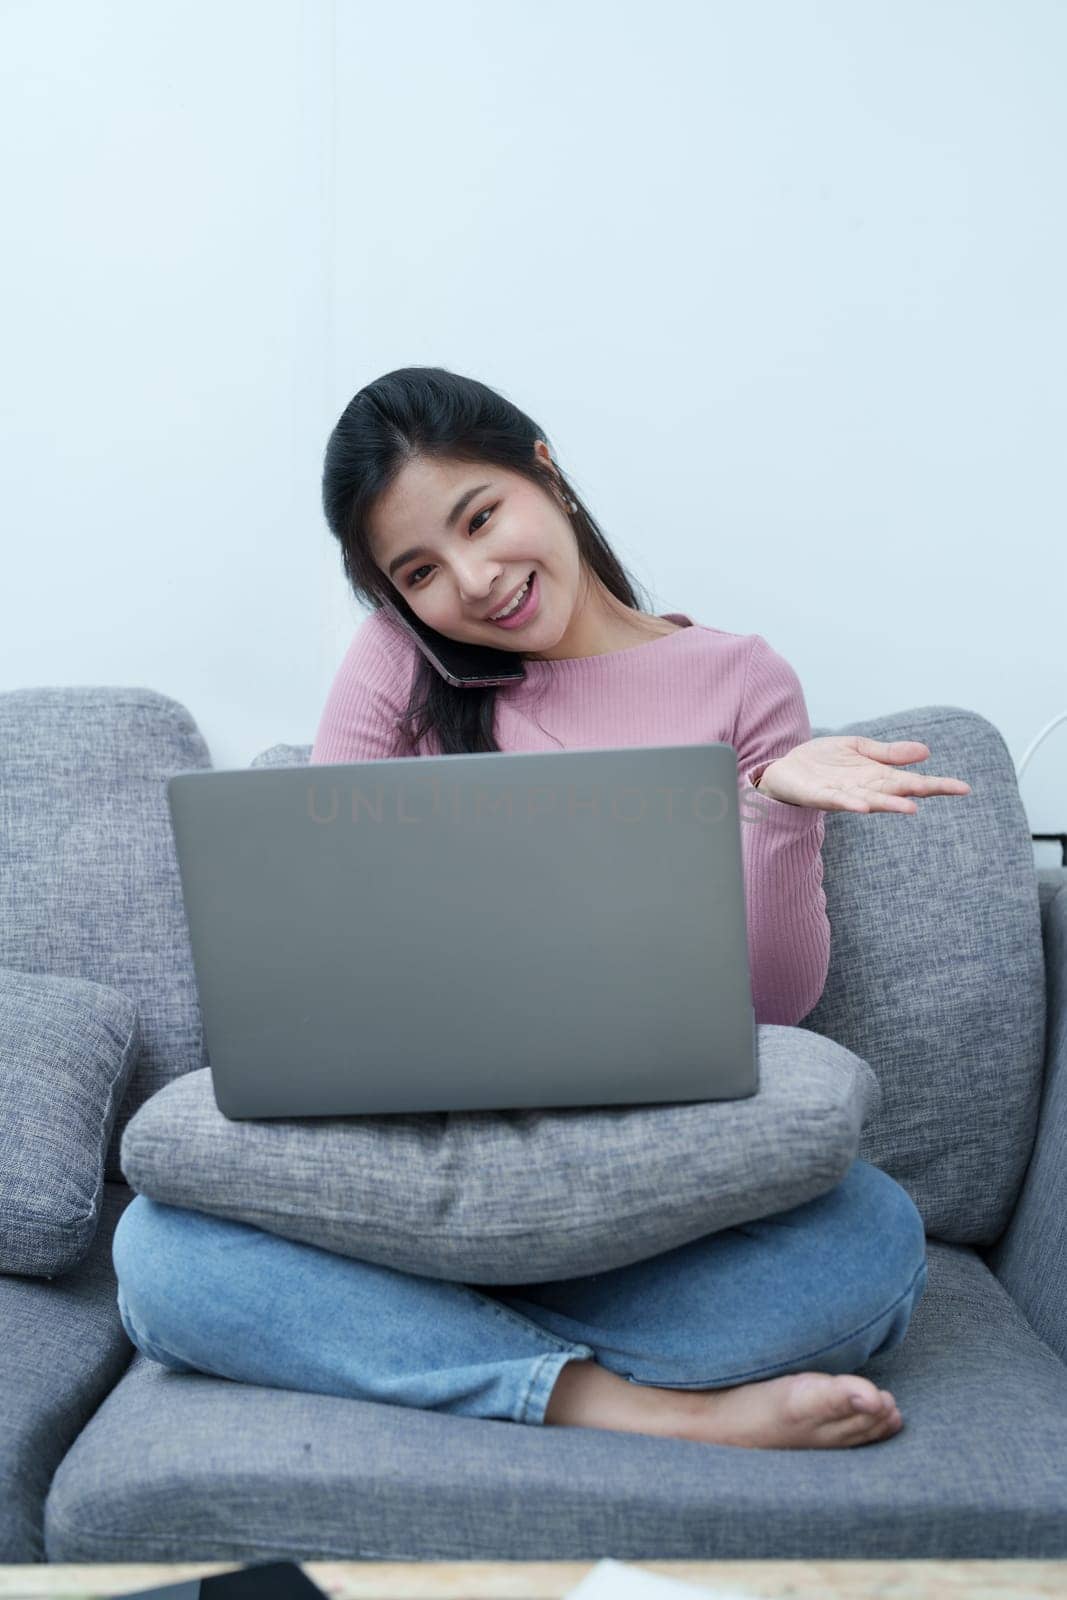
781,280
165,272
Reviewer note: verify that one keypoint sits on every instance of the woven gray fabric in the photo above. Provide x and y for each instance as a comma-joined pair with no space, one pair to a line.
1031,1257
503,1197
63,1350
187,1467
1050,880
67,1049
937,974
348,1479
89,883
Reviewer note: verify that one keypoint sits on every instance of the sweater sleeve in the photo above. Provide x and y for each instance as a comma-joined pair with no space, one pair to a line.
368,697
781,845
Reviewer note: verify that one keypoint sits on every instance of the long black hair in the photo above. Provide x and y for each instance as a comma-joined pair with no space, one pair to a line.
430,412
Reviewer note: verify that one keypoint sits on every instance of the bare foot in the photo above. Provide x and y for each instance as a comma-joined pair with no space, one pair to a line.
800,1411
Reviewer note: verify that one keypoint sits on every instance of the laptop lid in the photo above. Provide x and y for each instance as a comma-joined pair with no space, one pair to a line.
472,932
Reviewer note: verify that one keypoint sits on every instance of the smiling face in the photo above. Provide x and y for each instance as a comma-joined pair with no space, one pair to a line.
457,539
456,556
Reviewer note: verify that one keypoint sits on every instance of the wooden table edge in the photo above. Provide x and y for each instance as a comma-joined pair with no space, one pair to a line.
551,1580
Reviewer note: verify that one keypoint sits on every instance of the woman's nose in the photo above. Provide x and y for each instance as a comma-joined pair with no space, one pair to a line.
477,589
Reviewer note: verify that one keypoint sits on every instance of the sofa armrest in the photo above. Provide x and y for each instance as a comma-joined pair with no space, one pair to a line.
1050,880
1030,1257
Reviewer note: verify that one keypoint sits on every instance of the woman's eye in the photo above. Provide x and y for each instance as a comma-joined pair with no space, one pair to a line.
414,577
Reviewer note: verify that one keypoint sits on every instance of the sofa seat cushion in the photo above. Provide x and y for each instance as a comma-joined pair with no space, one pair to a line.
63,1350
515,1196
67,1048
185,1467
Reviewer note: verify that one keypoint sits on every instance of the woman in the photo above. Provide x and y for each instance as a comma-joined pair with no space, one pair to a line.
447,503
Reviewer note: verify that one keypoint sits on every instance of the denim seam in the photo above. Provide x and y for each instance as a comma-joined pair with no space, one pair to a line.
558,1344
538,1390
754,1374
149,1346
543,1374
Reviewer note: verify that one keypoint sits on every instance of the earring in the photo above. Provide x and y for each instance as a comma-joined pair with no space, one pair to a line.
573,504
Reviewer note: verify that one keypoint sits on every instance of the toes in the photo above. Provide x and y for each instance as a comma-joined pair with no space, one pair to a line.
890,1424
823,1398
877,1429
848,1414
869,1400
892,1409
858,1412
831,1402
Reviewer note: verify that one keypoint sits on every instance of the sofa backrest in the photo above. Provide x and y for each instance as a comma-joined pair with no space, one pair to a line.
936,968
937,974
89,881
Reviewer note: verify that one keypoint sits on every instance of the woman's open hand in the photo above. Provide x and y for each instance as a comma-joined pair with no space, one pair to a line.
851,773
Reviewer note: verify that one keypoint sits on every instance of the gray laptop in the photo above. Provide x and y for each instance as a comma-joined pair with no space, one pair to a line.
472,932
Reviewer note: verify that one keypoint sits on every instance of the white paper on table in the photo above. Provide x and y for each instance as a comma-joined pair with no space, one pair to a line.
614,1580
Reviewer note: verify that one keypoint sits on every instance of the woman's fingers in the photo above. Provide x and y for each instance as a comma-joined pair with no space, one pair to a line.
895,750
898,799
931,785
841,799
896,796
906,751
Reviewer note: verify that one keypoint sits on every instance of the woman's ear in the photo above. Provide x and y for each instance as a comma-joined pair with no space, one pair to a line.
541,449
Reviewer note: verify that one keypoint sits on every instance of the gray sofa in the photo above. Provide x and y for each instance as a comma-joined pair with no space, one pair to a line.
947,976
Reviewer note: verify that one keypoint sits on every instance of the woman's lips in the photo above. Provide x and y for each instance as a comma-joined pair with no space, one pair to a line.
526,610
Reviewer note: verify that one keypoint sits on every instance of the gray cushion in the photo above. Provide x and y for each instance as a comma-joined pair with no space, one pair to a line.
63,1350
937,974
67,1048
89,883
180,1466
528,1196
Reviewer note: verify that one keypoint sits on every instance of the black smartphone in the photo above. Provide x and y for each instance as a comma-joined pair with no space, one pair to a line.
272,1580
466,666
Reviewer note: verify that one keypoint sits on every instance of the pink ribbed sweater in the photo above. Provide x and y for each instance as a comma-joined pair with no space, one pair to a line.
695,686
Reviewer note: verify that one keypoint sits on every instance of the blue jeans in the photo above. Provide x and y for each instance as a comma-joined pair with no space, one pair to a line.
823,1287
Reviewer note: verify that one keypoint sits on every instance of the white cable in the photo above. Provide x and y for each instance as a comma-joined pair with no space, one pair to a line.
1045,730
